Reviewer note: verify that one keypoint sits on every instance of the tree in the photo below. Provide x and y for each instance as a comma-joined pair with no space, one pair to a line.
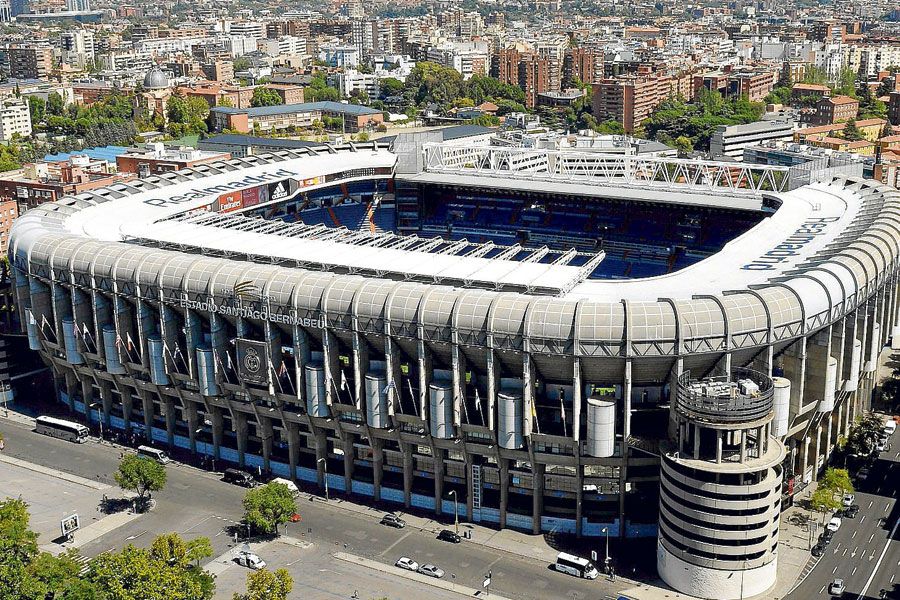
186,116
823,501
851,132
390,86
864,435
267,585
140,475
814,75
837,481
263,96
55,104
683,144
846,83
161,572
268,506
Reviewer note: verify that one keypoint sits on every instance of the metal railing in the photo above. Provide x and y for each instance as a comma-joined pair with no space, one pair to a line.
731,407
593,167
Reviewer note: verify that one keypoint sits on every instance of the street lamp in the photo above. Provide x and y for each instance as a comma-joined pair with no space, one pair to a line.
325,466
455,512
606,556
99,416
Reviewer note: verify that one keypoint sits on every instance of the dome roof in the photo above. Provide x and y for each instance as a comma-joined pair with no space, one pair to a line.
155,79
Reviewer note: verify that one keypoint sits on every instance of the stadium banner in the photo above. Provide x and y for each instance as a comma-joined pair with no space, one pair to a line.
230,202
282,189
250,197
312,181
253,361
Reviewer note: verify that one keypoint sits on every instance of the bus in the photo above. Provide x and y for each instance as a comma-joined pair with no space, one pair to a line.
575,565
60,428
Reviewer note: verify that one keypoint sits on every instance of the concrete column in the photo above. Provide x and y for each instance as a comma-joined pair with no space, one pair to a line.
147,403
171,419
377,467
579,498
267,433
626,397
127,406
239,423
696,442
293,432
493,386
537,497
321,453
425,372
578,391
718,446
360,363
804,459
408,473
193,424
217,431
458,370
819,451
347,440
470,498
106,399
743,446
503,465
438,479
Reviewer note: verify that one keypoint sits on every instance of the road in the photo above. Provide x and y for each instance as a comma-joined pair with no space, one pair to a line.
196,503
865,552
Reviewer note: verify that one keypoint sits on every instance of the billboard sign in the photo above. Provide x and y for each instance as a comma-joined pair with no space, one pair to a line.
230,202
69,525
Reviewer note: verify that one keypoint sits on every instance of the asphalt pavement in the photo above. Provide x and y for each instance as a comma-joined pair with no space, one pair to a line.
865,551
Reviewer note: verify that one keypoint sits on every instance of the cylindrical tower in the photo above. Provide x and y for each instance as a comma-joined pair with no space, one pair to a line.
720,488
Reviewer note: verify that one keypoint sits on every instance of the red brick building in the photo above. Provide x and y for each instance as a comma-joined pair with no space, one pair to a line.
838,109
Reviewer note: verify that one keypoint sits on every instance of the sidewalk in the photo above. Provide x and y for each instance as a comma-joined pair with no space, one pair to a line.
91,532
418,577
54,473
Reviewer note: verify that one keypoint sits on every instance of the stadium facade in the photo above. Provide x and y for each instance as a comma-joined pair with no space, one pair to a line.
557,341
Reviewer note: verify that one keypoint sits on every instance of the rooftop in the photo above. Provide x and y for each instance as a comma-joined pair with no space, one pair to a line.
282,109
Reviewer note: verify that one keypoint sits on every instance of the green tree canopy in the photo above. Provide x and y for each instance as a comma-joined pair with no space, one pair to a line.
864,435
390,87
267,585
268,506
187,116
140,475
824,501
263,96
319,90
837,481
852,132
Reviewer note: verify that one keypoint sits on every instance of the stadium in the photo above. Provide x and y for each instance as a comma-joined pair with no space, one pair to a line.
553,341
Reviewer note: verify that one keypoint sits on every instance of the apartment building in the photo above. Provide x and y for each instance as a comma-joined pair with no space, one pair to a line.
30,62
585,64
894,108
528,70
15,118
628,99
77,48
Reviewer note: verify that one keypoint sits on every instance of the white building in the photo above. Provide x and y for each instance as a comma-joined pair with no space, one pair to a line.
77,47
78,5
15,117
339,56
352,80
285,44
251,29
729,141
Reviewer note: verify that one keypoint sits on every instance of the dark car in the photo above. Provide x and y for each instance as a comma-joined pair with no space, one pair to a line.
448,536
826,537
238,477
393,520
818,549
851,511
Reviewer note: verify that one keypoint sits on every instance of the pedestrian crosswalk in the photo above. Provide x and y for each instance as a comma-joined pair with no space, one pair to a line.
84,564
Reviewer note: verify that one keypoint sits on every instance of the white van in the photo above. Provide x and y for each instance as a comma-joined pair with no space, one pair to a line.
154,453
890,426
295,491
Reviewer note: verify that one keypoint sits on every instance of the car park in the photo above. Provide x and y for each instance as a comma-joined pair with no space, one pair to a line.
431,571
818,549
848,500
834,524
392,520
404,562
851,511
448,536
250,560
837,587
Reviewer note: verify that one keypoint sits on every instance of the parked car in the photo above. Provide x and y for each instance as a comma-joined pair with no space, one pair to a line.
392,520
862,474
848,499
250,560
448,536
880,445
851,511
291,486
837,587
834,524
825,537
818,549
404,562
238,477
431,571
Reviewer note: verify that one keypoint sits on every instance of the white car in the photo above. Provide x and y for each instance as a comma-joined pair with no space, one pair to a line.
880,445
251,561
848,500
837,587
404,562
431,571
834,524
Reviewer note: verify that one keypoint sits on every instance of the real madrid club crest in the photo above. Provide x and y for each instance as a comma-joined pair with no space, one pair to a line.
252,363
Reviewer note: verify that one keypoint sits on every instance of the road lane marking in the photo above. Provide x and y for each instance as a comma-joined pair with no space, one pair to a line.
822,590
853,536
844,553
870,503
863,519
391,547
886,506
871,537
887,543
853,572
834,570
